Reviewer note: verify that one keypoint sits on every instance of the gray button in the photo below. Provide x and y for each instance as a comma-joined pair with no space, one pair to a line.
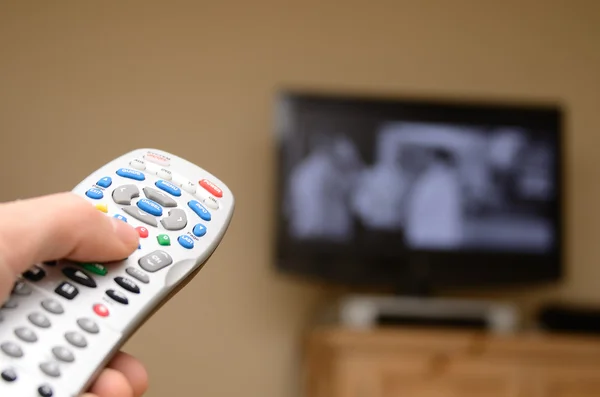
138,274
26,334
161,198
50,369
76,339
155,261
22,289
39,319
11,349
175,221
52,306
140,215
11,303
88,325
63,354
124,194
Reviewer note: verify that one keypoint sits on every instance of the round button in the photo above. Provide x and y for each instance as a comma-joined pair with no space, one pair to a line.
142,231
9,375
45,391
100,310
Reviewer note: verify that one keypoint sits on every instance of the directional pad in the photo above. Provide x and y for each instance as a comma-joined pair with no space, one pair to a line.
176,220
124,194
140,215
161,198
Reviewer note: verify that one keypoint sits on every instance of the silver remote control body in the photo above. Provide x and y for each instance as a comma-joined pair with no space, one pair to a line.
64,321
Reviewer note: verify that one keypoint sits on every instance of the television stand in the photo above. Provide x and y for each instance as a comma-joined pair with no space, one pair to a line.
371,311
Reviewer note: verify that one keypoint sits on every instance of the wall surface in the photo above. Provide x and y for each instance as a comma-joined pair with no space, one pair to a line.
82,83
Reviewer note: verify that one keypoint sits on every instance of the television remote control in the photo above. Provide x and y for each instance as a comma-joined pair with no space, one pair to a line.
64,321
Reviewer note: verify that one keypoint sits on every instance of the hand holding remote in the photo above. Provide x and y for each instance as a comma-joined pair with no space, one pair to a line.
67,226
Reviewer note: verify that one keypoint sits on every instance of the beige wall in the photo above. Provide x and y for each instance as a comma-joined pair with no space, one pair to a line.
81,84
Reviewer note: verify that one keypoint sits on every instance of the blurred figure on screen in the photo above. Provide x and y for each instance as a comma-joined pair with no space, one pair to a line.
378,194
434,207
318,201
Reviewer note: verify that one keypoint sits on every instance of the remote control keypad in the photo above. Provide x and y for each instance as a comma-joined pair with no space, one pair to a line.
160,205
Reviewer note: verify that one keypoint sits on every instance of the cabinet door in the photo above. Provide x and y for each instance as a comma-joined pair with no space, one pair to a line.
427,376
455,379
569,381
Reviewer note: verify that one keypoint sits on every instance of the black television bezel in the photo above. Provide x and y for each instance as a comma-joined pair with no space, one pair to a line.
423,269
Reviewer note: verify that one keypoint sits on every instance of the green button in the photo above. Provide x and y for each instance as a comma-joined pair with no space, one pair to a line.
95,268
163,239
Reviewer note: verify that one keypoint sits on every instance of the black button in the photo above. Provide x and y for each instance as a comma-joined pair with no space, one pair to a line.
127,284
34,274
50,263
79,276
67,290
45,391
119,297
9,375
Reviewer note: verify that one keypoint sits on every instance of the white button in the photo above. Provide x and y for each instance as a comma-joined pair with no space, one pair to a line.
157,158
207,199
211,202
152,168
164,174
138,164
189,187
183,183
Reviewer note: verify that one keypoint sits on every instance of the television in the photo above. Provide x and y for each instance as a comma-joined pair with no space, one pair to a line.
418,195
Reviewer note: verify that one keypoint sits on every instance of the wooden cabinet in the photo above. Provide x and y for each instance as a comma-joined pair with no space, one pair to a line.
449,363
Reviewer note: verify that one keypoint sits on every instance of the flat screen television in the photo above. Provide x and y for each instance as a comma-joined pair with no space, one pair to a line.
416,194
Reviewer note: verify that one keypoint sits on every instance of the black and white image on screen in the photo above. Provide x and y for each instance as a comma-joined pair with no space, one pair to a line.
426,186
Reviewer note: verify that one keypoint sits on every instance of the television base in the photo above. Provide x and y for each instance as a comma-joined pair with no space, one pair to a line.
370,311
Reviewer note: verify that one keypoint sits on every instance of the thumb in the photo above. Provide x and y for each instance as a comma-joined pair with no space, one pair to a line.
58,226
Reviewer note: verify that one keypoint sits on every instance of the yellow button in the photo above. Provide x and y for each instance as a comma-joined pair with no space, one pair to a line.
102,207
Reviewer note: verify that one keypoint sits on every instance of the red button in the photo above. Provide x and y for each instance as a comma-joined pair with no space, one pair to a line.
211,187
100,310
143,232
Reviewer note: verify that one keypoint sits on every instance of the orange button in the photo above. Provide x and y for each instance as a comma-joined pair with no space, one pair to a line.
211,187
142,231
100,310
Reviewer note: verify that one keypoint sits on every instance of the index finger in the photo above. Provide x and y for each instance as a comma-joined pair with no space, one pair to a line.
58,226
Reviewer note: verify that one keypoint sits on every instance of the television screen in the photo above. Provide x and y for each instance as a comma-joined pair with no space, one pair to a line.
363,180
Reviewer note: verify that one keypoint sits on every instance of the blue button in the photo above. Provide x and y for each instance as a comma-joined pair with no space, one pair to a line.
199,210
186,241
169,188
131,174
94,193
150,207
120,217
105,182
199,230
